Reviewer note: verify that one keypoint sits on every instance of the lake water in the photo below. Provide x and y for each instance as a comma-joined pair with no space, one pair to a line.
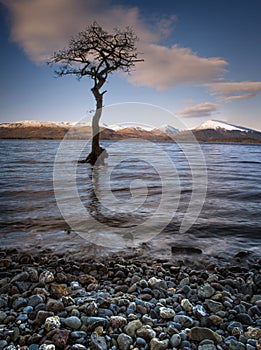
114,203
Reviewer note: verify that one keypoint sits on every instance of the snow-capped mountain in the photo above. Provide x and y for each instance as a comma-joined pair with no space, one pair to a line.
217,124
168,129
117,127
209,131
219,131
35,124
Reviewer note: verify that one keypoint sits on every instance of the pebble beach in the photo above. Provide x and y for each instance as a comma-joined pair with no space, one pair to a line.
129,300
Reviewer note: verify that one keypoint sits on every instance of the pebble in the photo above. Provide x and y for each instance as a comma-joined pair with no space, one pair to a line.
51,323
213,306
98,342
166,313
132,326
156,344
253,333
128,303
206,291
118,321
46,277
201,333
175,340
73,322
124,341
206,345
186,305
184,320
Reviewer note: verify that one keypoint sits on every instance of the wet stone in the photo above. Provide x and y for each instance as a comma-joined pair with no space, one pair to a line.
35,300
166,313
156,344
132,327
73,322
19,303
175,340
184,320
124,341
98,342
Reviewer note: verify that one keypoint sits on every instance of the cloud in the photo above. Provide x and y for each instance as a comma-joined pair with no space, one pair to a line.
237,97
198,111
166,67
42,27
230,91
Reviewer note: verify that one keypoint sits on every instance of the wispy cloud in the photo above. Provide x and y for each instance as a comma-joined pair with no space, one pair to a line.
200,110
42,27
230,91
167,67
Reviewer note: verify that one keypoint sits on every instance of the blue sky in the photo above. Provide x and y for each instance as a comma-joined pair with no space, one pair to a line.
202,59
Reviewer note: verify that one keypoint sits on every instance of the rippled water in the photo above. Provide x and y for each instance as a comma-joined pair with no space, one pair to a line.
230,219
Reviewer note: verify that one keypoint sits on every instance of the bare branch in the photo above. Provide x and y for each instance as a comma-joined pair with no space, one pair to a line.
96,53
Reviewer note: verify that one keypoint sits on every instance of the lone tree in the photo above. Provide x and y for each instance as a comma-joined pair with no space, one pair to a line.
95,53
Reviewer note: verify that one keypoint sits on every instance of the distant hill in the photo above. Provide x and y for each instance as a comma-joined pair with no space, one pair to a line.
209,131
219,131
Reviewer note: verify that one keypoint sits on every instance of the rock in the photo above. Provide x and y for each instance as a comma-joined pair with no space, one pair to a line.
206,345
184,320
237,331
3,315
236,345
216,320
166,313
199,310
19,303
46,277
41,316
244,319
255,298
201,333
250,347
92,322
73,322
91,309
124,341
140,341
23,276
186,305
156,344
253,333
98,342
78,334
51,323
156,283
78,347
87,279
60,338
175,340
233,325
33,274
59,290
35,300
213,306
54,305
206,291
47,347
132,326
146,332
118,321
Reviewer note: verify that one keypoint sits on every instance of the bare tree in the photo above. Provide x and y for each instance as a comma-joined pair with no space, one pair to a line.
95,53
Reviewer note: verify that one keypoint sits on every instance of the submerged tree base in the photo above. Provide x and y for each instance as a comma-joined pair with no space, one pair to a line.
96,157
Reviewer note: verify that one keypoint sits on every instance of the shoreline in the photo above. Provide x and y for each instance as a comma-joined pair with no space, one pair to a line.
129,300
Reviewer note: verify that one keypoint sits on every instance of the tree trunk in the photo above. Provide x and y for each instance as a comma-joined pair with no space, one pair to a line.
98,154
